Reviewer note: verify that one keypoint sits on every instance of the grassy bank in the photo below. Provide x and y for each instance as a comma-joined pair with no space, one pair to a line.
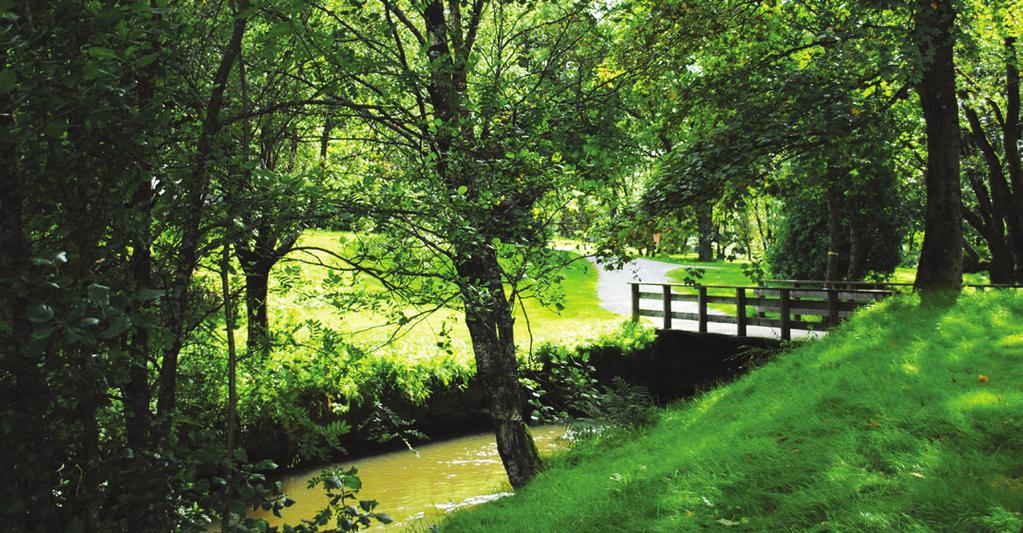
906,419
332,362
581,316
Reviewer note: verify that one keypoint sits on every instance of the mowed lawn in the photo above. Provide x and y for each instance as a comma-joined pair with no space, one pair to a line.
907,418
581,316
713,273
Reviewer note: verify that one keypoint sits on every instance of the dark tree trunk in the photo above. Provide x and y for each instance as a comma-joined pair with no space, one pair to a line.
488,316
856,256
178,299
1011,134
705,224
257,283
29,466
971,259
136,392
833,269
941,257
997,212
232,389
488,313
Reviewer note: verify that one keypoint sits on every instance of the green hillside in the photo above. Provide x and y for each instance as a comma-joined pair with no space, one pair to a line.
908,418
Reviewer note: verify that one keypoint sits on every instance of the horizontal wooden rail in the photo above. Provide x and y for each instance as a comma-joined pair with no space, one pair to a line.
799,283
831,305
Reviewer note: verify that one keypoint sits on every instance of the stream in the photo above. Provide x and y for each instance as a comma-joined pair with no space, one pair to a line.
419,487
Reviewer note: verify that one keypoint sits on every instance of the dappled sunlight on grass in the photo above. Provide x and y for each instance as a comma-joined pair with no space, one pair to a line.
582,317
886,424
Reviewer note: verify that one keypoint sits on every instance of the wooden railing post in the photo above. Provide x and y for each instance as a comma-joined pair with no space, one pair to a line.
740,310
833,317
786,324
635,302
703,308
667,306
796,299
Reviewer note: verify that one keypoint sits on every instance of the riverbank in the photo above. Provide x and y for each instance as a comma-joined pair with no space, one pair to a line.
906,418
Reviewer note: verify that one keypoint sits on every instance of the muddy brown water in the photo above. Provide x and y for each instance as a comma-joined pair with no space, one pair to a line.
418,488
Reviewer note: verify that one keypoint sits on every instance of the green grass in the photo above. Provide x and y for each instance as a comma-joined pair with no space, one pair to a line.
581,318
884,425
714,273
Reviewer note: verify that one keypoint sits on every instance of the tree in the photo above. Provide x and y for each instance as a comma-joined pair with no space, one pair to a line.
992,161
486,118
941,259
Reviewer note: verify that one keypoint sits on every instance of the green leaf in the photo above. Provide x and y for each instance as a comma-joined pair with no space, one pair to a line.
383,518
146,295
43,333
99,294
7,80
103,53
117,327
462,190
146,60
265,464
39,313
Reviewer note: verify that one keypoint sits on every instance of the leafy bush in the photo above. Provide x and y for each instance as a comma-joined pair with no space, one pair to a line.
566,389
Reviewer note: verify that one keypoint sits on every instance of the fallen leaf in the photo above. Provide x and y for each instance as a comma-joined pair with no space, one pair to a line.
982,378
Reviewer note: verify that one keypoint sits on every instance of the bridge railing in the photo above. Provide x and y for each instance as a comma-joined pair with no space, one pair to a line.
877,285
785,308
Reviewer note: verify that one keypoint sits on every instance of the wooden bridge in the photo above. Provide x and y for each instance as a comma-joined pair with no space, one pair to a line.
774,308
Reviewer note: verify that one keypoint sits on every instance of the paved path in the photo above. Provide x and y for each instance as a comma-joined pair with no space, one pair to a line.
615,296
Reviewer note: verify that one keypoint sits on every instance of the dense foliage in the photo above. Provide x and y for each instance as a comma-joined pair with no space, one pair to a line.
166,301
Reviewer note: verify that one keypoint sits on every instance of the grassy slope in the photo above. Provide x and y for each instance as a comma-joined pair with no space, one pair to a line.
581,318
884,425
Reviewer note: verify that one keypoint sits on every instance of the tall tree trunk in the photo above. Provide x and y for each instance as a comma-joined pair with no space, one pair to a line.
488,316
1011,134
835,241
971,259
705,224
257,283
136,392
178,300
941,257
996,206
232,389
31,465
856,256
